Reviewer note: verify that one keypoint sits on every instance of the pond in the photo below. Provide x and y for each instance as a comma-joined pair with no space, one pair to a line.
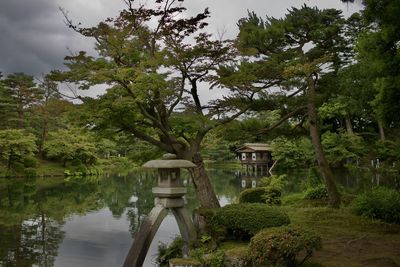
85,222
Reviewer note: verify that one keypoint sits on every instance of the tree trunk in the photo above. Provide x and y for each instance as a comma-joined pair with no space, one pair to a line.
202,184
326,172
381,130
43,138
349,126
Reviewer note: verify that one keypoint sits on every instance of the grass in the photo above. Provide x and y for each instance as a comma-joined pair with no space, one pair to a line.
184,262
347,239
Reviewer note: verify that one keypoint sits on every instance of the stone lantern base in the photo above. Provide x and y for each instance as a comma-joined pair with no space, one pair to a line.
152,222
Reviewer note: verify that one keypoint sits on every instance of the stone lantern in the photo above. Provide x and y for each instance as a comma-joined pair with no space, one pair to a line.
168,195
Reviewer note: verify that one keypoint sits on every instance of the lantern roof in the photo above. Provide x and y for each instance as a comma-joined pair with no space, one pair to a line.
169,161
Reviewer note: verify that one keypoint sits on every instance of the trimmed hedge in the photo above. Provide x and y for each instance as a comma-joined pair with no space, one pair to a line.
282,246
318,192
381,203
260,195
252,195
242,221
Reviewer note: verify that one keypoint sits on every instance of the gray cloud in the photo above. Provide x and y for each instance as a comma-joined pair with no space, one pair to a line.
35,38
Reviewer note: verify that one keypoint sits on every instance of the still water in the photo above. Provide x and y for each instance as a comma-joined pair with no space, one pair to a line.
85,222
91,222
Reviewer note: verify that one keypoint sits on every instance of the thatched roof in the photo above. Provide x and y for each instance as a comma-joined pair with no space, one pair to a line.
254,147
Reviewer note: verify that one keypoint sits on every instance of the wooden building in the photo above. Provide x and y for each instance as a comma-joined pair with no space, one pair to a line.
255,158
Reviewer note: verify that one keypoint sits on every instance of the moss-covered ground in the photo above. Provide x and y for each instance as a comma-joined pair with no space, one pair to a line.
347,240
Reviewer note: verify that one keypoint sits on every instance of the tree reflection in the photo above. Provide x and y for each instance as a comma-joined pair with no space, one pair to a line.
33,212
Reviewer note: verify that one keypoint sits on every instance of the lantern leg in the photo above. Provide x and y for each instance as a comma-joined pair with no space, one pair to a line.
137,252
186,227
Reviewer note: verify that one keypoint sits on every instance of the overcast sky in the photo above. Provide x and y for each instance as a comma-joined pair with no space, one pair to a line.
34,38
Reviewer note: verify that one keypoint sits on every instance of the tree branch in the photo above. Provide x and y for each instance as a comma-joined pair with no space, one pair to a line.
147,138
282,120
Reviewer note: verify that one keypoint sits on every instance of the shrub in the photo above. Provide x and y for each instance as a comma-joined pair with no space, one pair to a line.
318,192
282,246
260,195
174,250
252,195
274,182
207,257
18,167
30,162
244,220
82,169
381,203
30,172
273,197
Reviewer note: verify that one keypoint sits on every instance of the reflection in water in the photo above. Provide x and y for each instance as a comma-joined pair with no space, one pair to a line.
85,221
95,239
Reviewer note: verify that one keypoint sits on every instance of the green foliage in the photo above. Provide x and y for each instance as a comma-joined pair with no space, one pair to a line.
71,145
216,148
30,172
335,108
30,162
165,252
244,220
380,203
342,146
378,51
15,145
143,152
313,179
266,195
387,150
273,197
318,192
293,153
283,246
208,257
252,195
18,95
274,182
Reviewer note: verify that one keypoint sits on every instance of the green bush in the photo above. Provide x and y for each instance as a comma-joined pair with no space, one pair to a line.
174,250
30,162
242,221
252,195
208,257
273,197
17,167
381,203
274,182
82,169
318,192
30,172
260,195
282,246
